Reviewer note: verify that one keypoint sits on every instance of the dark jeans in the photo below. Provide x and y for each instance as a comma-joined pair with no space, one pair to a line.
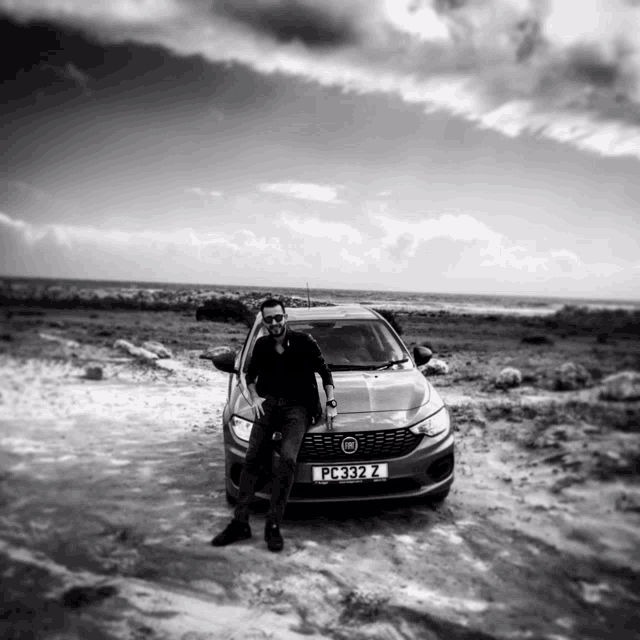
291,421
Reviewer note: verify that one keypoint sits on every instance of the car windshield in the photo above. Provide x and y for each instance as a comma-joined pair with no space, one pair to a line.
353,344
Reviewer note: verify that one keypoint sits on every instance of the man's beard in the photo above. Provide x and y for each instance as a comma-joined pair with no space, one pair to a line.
277,331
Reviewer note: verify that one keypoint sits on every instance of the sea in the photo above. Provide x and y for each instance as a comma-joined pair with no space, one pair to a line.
394,300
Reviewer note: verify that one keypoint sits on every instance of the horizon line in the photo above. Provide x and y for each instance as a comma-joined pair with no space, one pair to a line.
333,288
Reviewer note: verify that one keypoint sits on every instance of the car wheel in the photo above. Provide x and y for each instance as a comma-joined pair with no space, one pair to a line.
231,500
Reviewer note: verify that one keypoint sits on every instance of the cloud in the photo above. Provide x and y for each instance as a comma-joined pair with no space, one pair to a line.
335,231
302,191
501,256
351,259
402,238
567,71
104,253
447,257
203,193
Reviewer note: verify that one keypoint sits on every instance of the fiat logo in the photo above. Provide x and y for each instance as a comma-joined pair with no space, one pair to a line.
349,445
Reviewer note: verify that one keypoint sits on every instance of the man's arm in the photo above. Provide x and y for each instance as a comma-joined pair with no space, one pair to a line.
253,370
328,389
321,367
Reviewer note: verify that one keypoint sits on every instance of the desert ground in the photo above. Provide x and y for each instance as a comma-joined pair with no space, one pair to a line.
112,488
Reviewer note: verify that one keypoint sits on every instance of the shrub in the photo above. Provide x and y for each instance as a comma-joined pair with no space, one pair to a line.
391,318
508,378
537,339
570,377
574,320
225,309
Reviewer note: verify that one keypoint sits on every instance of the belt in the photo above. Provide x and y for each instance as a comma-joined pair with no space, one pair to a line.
283,402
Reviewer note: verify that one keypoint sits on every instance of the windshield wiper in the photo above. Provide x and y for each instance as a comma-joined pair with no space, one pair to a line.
391,363
351,367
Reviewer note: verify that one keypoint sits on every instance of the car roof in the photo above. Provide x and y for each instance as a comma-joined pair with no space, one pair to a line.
338,312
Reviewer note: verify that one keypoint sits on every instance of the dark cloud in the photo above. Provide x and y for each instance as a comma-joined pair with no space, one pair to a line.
291,20
49,65
527,37
402,248
587,66
509,65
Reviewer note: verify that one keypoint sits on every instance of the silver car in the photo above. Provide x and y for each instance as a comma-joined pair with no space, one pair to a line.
392,437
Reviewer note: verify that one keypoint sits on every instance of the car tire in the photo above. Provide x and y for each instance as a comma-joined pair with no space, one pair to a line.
231,499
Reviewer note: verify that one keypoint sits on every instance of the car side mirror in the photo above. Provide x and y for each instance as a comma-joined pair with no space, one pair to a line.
225,361
421,355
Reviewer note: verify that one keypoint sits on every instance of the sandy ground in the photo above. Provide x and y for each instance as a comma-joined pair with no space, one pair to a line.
111,491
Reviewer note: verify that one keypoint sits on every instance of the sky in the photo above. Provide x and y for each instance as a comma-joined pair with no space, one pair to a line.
458,146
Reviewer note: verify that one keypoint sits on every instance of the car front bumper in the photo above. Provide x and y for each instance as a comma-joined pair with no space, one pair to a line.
428,469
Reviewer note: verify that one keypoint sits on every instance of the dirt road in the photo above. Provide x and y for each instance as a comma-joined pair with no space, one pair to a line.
112,489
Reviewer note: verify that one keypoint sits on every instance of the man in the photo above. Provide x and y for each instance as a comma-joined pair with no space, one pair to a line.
284,397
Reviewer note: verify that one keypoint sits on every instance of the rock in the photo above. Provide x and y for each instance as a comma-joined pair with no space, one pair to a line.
628,502
434,367
215,351
72,344
123,345
508,378
138,352
621,386
158,348
82,596
570,377
93,373
168,364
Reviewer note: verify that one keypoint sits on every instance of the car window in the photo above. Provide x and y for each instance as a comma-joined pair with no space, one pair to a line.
361,343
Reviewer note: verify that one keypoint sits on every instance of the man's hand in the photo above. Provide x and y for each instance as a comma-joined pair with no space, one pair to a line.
332,412
256,405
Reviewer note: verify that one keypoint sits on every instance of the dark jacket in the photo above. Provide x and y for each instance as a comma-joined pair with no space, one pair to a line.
306,358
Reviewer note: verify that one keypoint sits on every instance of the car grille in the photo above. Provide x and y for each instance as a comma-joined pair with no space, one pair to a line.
372,445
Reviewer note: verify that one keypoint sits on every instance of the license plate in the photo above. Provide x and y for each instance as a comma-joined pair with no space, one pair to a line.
347,473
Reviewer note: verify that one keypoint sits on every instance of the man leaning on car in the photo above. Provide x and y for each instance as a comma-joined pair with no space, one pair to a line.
284,397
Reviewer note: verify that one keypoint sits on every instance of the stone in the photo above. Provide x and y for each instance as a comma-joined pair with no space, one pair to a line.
138,352
93,373
158,348
508,378
434,367
71,344
123,345
571,377
621,386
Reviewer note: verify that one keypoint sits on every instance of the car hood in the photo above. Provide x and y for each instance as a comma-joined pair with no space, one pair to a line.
370,400
374,391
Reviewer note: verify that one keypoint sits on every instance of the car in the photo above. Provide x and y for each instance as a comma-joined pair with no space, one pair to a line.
392,437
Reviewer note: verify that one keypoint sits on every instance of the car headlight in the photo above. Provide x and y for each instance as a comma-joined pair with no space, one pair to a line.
241,428
433,425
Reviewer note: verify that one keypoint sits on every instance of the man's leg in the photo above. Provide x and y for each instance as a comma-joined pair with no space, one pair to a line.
294,426
258,452
259,447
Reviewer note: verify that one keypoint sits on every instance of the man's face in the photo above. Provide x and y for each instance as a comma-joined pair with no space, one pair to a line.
275,320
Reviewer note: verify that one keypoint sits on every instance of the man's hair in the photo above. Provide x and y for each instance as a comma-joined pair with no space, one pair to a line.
272,302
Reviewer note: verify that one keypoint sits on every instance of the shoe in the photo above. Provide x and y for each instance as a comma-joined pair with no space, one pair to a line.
273,537
234,532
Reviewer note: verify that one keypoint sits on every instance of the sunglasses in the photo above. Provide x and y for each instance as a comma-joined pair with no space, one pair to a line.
274,318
